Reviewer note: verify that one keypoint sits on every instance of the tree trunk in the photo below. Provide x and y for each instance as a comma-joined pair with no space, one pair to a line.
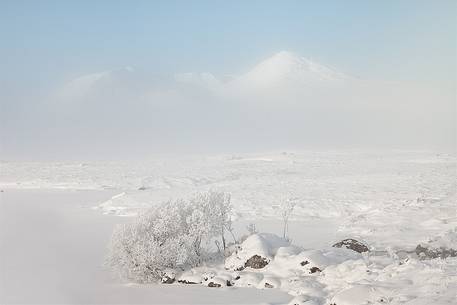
223,239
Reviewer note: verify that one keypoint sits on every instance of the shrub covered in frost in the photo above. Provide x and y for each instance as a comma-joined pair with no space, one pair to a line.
174,234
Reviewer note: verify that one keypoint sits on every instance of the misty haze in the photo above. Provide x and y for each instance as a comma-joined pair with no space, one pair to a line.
201,152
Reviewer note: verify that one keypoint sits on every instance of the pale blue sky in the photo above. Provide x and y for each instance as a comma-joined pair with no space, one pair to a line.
45,41
44,44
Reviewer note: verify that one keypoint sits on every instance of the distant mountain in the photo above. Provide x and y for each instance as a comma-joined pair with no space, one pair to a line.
281,72
92,83
286,68
204,79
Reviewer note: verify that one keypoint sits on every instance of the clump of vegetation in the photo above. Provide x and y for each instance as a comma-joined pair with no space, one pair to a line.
173,235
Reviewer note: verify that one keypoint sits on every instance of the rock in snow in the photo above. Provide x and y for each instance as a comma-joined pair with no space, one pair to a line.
255,252
425,252
168,277
439,247
352,244
190,277
218,281
256,262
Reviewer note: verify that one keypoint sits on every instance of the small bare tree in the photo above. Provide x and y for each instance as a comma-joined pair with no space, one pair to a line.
251,228
287,207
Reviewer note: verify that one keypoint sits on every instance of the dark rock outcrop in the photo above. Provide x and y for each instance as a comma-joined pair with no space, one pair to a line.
314,270
256,262
352,244
425,252
268,285
187,282
214,285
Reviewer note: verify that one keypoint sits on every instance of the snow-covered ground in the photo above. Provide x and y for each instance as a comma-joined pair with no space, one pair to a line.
52,248
392,201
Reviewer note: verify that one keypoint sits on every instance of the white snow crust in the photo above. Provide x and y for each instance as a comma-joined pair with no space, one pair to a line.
392,201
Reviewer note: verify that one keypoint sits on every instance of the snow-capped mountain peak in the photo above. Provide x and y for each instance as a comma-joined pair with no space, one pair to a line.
204,79
288,67
82,85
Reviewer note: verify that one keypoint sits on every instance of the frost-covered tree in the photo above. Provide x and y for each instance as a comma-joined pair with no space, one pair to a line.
154,241
169,236
208,218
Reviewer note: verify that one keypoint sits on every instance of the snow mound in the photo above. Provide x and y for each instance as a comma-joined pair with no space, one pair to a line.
360,295
270,253
256,251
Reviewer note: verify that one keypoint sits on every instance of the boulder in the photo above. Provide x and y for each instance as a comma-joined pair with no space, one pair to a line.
425,252
187,282
216,282
314,270
256,262
352,244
